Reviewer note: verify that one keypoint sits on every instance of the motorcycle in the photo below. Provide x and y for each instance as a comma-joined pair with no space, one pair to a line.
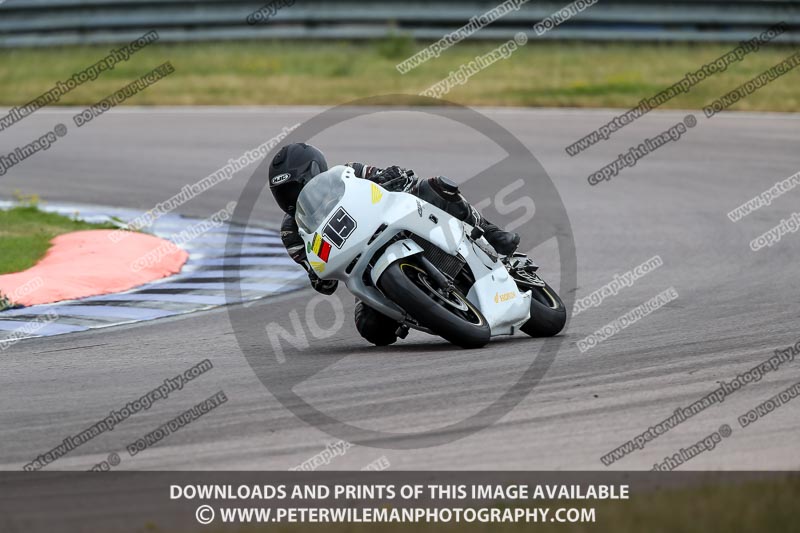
419,265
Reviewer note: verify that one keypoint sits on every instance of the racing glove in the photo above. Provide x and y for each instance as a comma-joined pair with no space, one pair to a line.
394,178
388,174
322,286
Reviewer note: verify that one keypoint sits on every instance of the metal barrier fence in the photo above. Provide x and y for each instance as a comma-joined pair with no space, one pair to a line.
65,22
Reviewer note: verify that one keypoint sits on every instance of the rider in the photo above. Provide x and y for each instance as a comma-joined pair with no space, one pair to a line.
294,166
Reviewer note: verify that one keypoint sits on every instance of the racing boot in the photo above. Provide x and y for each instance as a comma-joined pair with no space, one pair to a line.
504,242
376,327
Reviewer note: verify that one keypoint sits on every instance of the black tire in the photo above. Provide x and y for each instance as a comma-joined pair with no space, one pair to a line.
405,283
548,314
375,327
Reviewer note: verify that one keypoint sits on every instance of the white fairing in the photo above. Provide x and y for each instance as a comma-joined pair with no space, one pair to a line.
338,245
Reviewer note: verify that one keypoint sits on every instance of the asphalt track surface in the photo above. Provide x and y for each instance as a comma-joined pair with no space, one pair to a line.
734,308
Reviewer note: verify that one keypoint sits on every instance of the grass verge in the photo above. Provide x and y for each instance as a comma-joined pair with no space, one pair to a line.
26,232
538,74
25,235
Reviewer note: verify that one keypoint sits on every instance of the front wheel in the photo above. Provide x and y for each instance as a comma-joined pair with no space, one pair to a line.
548,314
450,316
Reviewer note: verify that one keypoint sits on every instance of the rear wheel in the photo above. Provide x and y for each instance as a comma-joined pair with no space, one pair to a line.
548,314
447,313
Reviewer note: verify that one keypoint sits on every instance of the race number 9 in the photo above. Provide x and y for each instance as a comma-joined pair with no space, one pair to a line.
339,227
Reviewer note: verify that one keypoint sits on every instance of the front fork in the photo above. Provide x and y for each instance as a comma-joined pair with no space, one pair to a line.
440,281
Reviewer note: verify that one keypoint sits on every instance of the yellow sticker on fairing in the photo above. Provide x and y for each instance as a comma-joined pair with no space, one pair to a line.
376,194
504,297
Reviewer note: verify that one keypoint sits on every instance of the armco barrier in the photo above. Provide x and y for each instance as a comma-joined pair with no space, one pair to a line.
65,22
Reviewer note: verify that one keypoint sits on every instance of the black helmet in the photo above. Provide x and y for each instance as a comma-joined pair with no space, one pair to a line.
291,168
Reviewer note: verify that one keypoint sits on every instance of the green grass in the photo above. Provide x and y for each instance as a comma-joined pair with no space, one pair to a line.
538,74
763,506
26,232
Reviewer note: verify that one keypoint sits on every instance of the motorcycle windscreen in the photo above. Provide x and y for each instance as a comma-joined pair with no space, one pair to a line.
318,198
